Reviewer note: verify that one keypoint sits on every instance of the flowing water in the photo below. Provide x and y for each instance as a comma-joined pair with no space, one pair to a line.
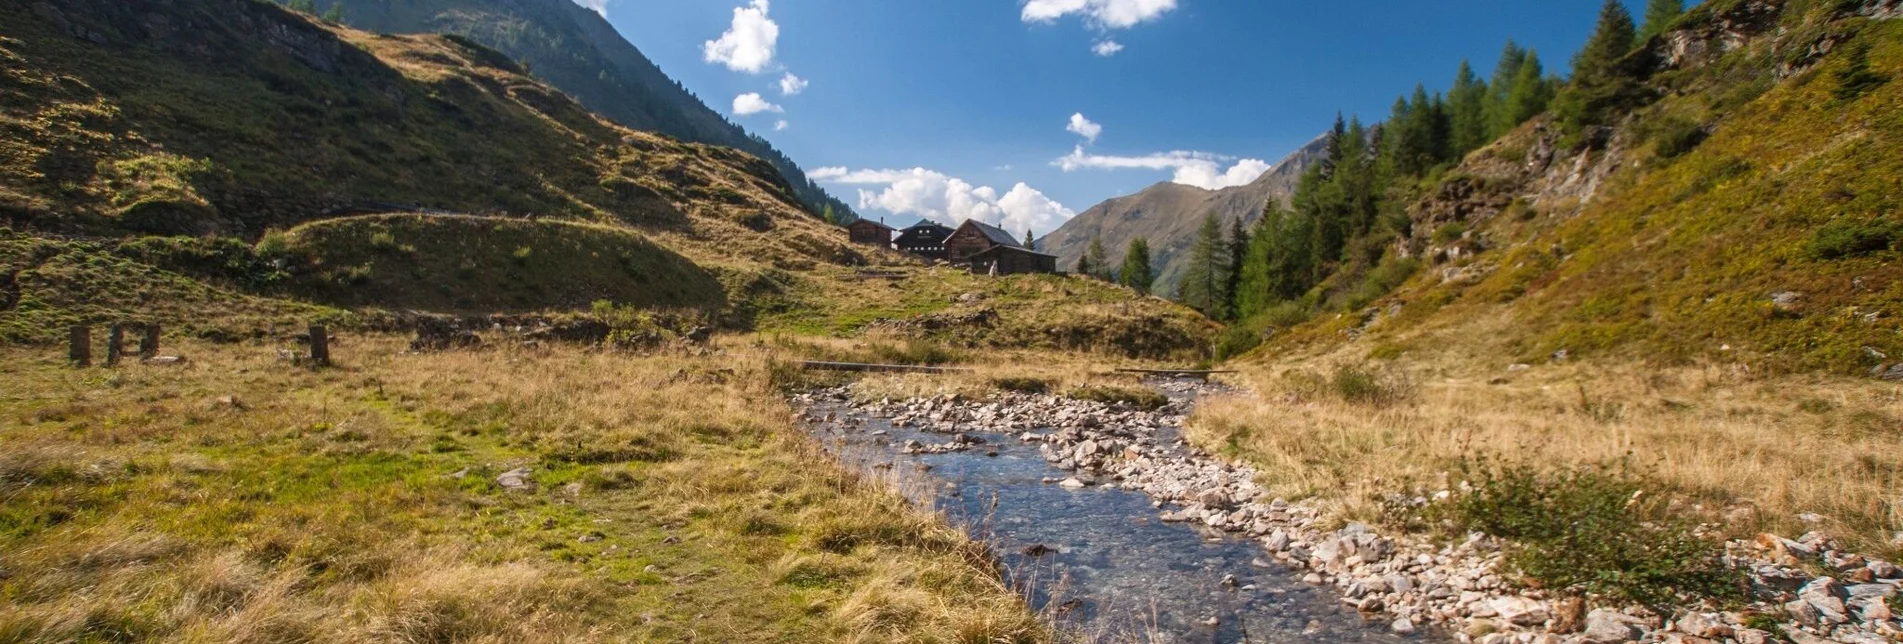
1098,559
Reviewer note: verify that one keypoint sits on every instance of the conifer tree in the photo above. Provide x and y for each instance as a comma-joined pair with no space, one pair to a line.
336,12
1659,15
1505,73
1084,267
1099,260
1238,251
1207,271
1030,242
1599,87
302,6
1467,112
1136,272
1532,92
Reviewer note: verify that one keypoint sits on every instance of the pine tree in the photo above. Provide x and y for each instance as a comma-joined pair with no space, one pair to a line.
1467,112
302,6
1084,266
1030,241
1659,15
1207,271
1136,272
336,12
1599,88
1238,250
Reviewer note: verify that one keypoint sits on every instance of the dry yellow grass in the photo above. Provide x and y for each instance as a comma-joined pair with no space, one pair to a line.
1753,451
239,498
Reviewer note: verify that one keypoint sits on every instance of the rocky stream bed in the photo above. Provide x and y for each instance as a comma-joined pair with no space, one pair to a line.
1121,530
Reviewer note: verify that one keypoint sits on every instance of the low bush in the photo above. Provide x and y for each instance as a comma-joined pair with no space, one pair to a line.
1841,239
1588,529
1365,387
1022,385
916,352
1138,398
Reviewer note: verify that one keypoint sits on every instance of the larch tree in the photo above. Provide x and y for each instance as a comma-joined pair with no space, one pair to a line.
1659,16
1467,111
1207,272
1599,88
1136,272
1238,250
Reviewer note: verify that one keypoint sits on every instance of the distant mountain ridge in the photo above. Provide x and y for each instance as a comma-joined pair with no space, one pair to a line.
1168,215
580,53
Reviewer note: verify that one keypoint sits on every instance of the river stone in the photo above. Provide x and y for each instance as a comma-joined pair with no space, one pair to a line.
1071,483
1610,627
1702,625
1520,611
1402,626
1874,610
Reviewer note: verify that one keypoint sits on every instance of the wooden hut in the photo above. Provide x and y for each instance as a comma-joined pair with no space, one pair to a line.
1011,260
924,239
867,231
976,237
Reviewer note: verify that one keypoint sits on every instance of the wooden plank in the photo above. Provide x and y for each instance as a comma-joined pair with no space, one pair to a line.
1177,371
80,345
320,346
887,368
115,344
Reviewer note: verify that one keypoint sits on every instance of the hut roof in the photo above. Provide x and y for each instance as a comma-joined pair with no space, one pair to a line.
995,234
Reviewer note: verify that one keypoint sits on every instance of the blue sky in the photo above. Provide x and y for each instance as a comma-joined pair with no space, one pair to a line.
963,108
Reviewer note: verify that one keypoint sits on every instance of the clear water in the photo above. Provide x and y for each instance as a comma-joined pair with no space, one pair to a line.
1114,571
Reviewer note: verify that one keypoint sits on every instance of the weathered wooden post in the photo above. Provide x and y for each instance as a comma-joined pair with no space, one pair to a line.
115,344
80,338
149,345
320,346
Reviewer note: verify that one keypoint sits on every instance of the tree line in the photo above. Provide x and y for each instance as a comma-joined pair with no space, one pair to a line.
1329,246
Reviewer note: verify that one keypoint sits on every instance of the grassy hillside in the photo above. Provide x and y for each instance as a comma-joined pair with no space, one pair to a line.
1706,290
576,50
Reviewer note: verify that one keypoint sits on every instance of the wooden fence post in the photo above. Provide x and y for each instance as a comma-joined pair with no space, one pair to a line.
320,346
115,344
81,350
149,345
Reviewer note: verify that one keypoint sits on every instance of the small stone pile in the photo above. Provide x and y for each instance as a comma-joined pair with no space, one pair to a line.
1410,580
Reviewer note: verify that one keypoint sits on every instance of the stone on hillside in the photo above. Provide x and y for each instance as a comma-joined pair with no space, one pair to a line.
1826,596
1702,625
1569,615
1874,610
516,479
1402,626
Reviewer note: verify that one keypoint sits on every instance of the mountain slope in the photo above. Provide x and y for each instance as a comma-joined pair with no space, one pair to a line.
1169,214
576,50
1747,215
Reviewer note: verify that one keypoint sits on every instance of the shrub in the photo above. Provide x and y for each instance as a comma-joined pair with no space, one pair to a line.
1361,386
383,241
1138,398
1022,385
1449,232
1676,136
522,254
1591,529
1840,239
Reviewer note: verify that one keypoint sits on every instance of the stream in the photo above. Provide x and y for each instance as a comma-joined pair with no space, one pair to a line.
1098,559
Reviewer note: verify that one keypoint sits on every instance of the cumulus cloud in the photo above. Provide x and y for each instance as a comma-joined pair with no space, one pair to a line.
1200,169
790,84
753,103
599,6
946,199
1103,14
1083,127
747,45
1107,48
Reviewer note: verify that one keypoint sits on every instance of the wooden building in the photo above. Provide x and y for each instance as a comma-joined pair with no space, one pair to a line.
976,237
924,239
1011,260
867,231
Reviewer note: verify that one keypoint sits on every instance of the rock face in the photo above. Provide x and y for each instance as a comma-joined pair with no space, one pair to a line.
1168,216
1417,582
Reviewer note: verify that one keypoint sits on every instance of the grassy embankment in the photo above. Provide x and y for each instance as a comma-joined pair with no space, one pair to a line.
238,498
1747,410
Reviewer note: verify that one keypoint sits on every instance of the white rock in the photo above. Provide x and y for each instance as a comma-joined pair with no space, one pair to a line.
1403,626
1610,627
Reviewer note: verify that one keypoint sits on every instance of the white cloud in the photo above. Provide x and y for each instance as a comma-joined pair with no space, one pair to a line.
1083,127
1200,169
950,200
1107,48
599,6
747,46
1103,14
790,84
779,125
753,103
